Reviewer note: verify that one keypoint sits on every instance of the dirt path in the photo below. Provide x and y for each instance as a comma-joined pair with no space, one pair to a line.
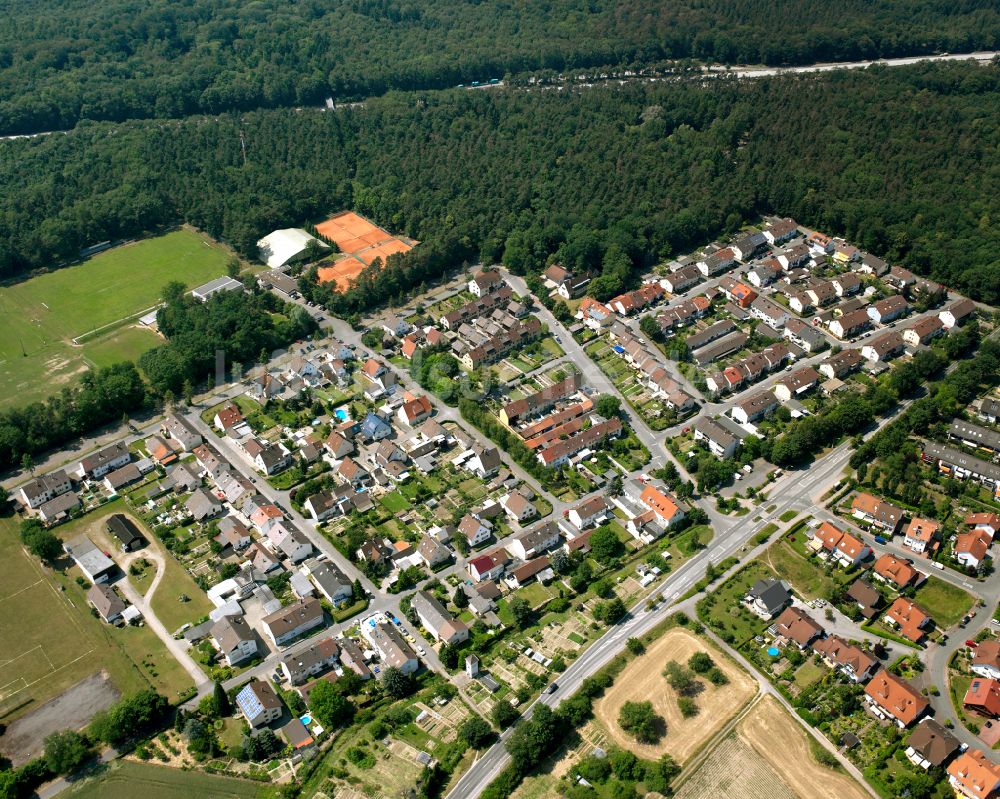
642,680
779,740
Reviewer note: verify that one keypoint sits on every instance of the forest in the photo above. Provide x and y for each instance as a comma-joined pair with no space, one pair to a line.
62,61
899,160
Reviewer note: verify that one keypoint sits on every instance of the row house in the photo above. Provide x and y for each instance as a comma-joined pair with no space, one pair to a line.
498,346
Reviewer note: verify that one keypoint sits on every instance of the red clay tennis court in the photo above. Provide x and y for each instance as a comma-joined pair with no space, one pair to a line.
362,242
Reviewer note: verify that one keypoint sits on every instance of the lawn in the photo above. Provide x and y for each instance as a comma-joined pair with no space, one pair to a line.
41,315
127,780
807,576
945,602
395,502
722,608
167,604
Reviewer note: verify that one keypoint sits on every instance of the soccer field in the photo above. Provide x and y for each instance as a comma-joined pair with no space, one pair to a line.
44,314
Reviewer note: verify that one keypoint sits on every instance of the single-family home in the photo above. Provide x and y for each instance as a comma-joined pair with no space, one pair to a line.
850,324
974,776
912,620
988,523
797,626
923,330
841,364
888,309
921,534
983,697
957,313
435,618
433,553
877,512
259,704
767,598
293,620
310,661
106,602
535,541
475,530
518,507
488,566
234,639
931,745
796,384
485,282
884,347
228,417
754,407
850,660
866,596
415,410
892,697
986,659
900,573
971,549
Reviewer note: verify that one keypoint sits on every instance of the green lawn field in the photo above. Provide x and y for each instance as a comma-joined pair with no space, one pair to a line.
44,314
125,780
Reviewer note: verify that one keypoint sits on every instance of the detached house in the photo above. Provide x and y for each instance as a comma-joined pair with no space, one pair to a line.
974,776
851,661
437,620
259,704
971,549
900,573
911,619
881,514
891,697
489,566
921,534
957,313
767,598
798,627
888,309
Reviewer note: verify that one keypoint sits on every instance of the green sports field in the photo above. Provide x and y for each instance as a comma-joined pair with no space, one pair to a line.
43,315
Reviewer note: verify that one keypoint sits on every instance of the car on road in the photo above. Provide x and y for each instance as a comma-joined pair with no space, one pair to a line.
552,688
421,651
971,644
879,540
938,566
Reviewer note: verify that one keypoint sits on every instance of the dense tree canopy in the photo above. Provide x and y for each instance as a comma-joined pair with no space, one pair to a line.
66,60
642,170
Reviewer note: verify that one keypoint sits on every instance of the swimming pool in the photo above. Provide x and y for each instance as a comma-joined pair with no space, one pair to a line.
306,719
773,651
342,414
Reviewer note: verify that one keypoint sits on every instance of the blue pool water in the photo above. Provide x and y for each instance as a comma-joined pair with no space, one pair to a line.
341,414
773,651
306,719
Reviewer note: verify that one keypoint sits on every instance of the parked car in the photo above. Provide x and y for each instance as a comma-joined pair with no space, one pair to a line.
879,540
971,644
938,566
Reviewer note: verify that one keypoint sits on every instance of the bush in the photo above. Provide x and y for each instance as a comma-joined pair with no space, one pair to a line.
687,706
700,662
641,722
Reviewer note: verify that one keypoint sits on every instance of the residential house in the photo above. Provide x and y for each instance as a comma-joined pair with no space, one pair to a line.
781,230
489,566
739,293
799,382
921,534
957,313
437,620
259,704
754,407
415,410
589,513
331,582
767,598
912,620
314,659
233,532
39,490
900,573
770,312
106,602
485,282
983,697
888,309
681,280
974,436
228,418
353,473
391,647
475,530
971,549
797,626
931,745
535,541
877,512
102,462
988,523
850,551
664,506
293,620
481,461
351,657
539,568
821,292
974,776
986,659
180,431
375,428
841,364
884,347
889,696
560,452
433,553
764,273
721,442
322,506
846,284
850,324
717,262
952,462
594,315
541,401
923,330
337,446
873,265
203,505
850,660
746,247
234,639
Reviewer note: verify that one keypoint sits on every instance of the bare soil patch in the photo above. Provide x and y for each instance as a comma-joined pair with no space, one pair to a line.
72,709
779,739
642,680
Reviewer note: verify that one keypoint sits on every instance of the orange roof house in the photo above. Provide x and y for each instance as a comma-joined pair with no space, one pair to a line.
983,697
894,697
986,522
661,504
850,550
798,626
828,536
911,619
974,775
891,569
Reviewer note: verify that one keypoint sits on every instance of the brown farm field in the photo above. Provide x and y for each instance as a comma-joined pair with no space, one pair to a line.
643,680
779,739
735,769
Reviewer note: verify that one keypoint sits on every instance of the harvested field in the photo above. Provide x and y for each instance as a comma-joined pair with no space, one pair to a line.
735,769
778,738
642,680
